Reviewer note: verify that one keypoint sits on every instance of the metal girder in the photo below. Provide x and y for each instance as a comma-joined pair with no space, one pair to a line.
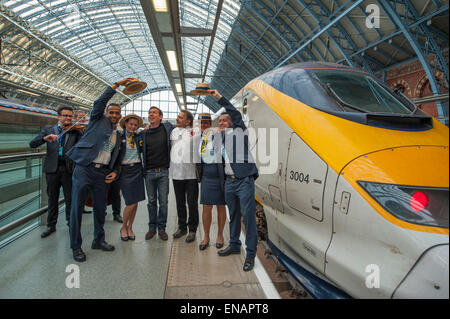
391,35
413,41
286,27
431,45
320,29
304,34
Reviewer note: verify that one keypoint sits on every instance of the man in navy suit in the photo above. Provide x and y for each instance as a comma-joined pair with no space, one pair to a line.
95,156
57,167
241,172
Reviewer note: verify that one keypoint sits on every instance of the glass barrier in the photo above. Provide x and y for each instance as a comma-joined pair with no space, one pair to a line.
22,191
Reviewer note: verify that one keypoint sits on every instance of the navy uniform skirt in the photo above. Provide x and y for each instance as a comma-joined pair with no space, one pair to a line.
211,193
132,183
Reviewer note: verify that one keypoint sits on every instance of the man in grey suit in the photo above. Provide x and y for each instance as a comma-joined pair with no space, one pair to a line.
96,161
57,167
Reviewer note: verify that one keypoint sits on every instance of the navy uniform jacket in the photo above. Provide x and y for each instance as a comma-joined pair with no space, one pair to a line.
169,128
51,158
247,167
96,134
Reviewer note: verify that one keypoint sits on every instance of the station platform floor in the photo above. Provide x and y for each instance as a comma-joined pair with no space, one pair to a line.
32,267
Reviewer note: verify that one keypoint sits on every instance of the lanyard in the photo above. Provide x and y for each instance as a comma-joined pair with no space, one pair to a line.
59,136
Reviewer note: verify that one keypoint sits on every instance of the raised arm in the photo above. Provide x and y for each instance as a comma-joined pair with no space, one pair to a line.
100,104
235,115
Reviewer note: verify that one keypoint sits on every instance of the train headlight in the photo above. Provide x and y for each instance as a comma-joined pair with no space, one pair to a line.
418,205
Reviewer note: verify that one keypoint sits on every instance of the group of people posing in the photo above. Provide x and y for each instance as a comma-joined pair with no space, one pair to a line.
87,162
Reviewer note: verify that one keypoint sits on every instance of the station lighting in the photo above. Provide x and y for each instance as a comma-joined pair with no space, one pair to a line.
28,92
160,5
172,56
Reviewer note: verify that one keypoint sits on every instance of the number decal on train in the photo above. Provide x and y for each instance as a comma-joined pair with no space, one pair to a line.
299,177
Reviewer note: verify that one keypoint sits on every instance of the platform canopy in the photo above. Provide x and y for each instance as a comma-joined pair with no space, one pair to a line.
67,51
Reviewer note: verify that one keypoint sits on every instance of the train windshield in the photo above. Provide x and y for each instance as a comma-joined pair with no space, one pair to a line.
359,92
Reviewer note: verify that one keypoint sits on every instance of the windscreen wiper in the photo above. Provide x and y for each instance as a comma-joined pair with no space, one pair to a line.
343,103
400,93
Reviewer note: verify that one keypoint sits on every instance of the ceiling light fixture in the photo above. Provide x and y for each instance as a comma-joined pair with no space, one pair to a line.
171,55
160,5
28,92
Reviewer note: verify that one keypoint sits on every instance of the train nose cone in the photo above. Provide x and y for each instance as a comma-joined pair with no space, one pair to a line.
428,278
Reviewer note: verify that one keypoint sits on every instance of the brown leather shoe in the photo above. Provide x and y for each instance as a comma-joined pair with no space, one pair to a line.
163,235
150,234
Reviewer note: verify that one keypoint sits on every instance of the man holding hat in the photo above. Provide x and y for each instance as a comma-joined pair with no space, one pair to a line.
96,166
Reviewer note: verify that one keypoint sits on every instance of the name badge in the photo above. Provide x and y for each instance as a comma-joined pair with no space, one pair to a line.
60,152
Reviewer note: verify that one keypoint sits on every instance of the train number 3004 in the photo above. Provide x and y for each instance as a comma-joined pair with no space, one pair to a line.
300,177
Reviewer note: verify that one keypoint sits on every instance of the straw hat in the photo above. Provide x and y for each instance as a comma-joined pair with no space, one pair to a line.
134,87
201,89
204,116
132,116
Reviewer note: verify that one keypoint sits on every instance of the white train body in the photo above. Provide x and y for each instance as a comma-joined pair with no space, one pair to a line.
320,216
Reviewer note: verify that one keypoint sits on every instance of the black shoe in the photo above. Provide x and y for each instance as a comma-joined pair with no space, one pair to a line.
103,246
131,237
48,232
229,250
179,233
203,247
219,245
191,237
249,263
123,238
79,255
118,218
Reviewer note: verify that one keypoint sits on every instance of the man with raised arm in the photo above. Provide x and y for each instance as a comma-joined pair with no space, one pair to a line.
95,156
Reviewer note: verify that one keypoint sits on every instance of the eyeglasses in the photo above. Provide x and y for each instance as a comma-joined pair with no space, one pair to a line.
65,115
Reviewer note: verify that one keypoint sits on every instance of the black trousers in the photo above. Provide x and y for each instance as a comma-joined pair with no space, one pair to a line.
187,189
54,182
115,197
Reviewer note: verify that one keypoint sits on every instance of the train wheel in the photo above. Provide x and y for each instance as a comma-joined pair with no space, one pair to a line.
261,222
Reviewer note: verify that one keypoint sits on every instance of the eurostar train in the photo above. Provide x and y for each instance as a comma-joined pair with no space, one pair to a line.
19,124
358,203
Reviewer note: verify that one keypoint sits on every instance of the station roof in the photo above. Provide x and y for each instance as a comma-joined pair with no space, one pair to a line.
68,51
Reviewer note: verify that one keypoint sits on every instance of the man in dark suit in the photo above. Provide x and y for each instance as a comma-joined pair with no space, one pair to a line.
241,172
57,167
95,156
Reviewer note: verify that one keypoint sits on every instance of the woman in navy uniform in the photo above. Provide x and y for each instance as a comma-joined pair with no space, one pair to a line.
212,182
131,173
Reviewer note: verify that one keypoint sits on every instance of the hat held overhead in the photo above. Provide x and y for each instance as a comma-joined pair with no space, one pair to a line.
134,86
201,89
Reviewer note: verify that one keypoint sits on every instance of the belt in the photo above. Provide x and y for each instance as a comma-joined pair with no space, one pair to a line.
131,164
231,176
156,170
97,165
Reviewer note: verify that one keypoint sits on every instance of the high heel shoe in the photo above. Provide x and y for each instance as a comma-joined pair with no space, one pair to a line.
131,237
123,238
203,246
219,245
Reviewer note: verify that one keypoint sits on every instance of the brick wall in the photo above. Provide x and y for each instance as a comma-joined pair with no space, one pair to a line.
413,79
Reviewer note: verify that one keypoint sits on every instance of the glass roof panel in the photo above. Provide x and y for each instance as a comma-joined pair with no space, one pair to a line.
90,29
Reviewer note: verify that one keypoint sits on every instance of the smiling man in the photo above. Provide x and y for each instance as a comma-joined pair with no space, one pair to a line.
182,173
95,156
156,154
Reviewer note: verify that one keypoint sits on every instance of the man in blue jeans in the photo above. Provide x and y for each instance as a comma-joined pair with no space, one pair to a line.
156,153
240,172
